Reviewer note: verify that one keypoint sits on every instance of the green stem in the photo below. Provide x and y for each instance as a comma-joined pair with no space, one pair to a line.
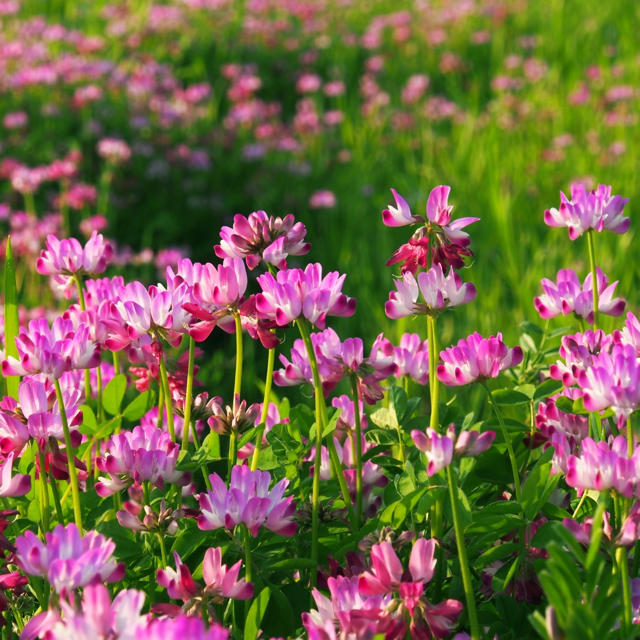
73,476
320,423
248,561
163,551
44,489
83,307
237,388
103,193
629,438
116,363
168,405
358,448
30,203
507,439
265,407
596,529
188,396
623,568
56,497
462,556
594,279
434,383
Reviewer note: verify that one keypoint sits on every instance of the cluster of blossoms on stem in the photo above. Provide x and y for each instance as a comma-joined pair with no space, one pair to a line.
448,242
247,500
52,350
337,359
384,600
145,454
262,237
566,296
441,449
220,582
596,209
627,535
476,358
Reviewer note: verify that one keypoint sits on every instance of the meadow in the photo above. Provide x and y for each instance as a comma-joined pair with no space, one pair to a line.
219,163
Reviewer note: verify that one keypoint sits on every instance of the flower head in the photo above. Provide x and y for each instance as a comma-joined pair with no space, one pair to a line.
476,358
597,210
67,559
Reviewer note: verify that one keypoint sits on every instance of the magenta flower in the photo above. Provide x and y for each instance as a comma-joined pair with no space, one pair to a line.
566,295
294,293
440,449
400,215
410,357
98,617
578,351
68,257
181,626
12,486
114,150
438,292
597,210
550,420
220,582
67,559
476,358
612,380
52,350
263,237
247,500
146,454
601,466
630,333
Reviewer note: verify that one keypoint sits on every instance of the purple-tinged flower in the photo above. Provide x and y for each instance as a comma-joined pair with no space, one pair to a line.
247,500
612,380
263,237
294,293
476,358
12,486
351,610
52,350
630,334
410,357
114,150
629,532
39,407
566,295
596,209
67,559
182,626
440,449
146,454
578,351
400,215
227,419
438,292
582,530
604,465
97,617
220,581
550,420
68,257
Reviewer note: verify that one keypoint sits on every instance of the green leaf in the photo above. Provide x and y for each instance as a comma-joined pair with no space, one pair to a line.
256,612
508,397
11,324
547,388
33,512
529,327
564,404
139,405
89,420
114,393
385,418
498,518
539,485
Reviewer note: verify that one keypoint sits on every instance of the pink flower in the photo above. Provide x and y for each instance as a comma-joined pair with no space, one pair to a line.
114,151
247,500
596,209
12,486
578,351
567,296
263,237
52,350
400,215
438,292
612,380
181,626
294,293
98,617
220,582
440,449
67,559
322,199
146,454
476,358
68,257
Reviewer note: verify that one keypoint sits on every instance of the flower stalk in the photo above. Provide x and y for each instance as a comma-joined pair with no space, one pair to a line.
265,407
594,277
